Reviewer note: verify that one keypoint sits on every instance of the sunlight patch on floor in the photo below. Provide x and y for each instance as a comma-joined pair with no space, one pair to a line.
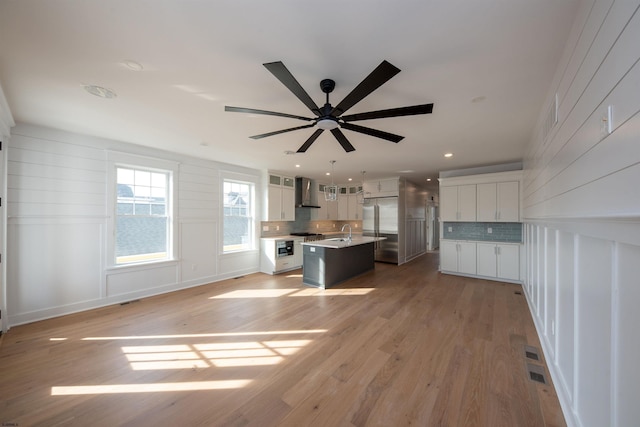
255,293
148,388
206,355
213,335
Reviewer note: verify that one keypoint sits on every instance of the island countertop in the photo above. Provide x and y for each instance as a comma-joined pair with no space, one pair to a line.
343,242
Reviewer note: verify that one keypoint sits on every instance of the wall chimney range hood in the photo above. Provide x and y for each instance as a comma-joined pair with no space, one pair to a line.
305,194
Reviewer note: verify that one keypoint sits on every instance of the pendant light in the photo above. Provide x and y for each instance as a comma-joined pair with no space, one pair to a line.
331,191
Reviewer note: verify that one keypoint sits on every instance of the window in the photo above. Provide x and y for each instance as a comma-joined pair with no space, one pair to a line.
143,222
238,216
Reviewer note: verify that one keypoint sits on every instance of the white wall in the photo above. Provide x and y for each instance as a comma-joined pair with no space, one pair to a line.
58,217
582,214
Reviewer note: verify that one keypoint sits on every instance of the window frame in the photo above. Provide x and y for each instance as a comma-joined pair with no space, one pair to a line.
122,160
254,183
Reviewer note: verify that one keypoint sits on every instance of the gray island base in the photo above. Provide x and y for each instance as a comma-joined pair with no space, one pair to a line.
327,263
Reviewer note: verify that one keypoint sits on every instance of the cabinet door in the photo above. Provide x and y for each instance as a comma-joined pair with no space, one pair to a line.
467,257
486,203
448,255
449,203
487,254
322,213
274,202
332,210
388,187
508,261
508,202
288,200
297,252
343,207
467,202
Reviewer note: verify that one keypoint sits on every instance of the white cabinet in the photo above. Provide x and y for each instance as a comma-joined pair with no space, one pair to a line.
297,252
382,188
458,203
498,202
348,207
281,194
458,256
499,260
343,203
328,210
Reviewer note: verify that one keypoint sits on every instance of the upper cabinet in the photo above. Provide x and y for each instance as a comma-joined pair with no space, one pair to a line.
498,202
458,203
281,197
491,197
381,188
328,210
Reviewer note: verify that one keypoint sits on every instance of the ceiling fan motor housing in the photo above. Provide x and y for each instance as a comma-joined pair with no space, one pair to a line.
327,85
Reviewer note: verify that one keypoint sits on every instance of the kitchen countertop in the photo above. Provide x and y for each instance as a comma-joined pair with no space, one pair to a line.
337,244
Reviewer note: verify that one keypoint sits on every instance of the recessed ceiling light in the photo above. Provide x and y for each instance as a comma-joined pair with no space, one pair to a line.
449,155
478,99
350,179
289,152
328,173
428,179
100,91
204,144
297,166
132,65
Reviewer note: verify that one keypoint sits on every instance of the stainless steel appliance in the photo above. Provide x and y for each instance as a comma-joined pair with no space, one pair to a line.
380,219
284,248
309,237
305,194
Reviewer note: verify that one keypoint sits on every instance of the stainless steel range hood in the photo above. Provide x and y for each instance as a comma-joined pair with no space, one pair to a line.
305,193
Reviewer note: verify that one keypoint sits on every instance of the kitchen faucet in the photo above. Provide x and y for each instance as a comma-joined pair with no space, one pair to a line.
342,230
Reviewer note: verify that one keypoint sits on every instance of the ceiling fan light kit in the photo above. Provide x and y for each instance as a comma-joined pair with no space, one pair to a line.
331,118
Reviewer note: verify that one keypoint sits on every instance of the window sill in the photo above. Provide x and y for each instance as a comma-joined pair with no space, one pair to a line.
142,265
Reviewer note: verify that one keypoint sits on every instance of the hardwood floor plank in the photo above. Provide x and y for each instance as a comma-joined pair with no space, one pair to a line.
401,345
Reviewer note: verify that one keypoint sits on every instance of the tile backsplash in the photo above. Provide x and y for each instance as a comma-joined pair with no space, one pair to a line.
510,232
304,223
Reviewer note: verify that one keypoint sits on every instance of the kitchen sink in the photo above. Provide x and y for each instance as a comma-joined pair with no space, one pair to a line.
338,239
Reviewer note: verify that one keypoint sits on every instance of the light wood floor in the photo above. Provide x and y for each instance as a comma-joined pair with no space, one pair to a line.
404,345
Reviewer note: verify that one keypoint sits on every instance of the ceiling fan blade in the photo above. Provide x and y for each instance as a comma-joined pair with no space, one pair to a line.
264,135
342,140
269,113
373,132
392,112
373,81
304,147
286,78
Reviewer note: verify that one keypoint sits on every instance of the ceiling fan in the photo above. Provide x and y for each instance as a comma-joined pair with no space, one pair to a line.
332,118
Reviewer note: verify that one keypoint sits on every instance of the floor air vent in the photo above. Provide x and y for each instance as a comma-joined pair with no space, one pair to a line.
536,373
531,352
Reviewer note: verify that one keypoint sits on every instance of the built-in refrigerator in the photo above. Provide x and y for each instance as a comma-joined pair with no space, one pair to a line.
380,219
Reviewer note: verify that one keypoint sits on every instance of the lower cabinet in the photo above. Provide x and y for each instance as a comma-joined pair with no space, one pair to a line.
500,260
483,259
458,256
297,252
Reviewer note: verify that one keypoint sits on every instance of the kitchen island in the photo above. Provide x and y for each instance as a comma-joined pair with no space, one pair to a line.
329,262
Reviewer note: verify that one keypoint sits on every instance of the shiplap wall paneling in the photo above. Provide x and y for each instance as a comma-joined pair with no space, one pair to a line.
199,192
58,217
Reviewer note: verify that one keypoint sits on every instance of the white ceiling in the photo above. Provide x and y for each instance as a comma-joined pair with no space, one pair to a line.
199,56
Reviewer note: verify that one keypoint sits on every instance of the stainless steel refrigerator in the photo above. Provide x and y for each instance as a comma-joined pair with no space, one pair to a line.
380,219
